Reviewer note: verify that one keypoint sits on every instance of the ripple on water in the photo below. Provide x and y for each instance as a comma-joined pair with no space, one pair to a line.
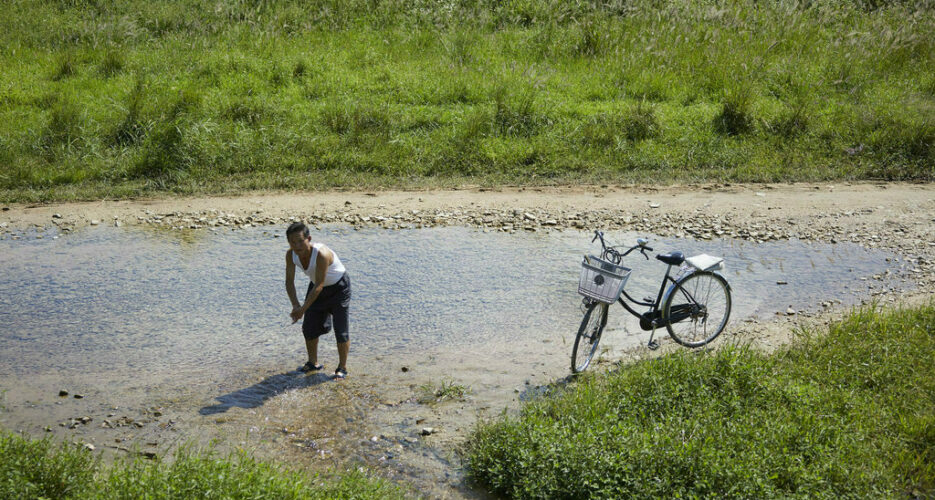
114,301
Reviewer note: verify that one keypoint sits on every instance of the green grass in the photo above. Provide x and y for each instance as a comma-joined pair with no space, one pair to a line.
845,413
114,99
41,469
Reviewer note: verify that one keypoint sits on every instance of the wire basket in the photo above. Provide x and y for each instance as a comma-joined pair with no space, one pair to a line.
601,280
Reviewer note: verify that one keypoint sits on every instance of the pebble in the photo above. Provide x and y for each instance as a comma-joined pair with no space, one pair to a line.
700,225
428,431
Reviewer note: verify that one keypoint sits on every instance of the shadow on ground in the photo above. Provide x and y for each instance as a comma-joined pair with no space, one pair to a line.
257,394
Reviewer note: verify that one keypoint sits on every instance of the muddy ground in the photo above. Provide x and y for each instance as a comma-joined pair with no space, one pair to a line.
383,416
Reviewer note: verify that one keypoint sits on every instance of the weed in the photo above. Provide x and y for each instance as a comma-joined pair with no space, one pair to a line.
734,118
64,126
605,130
131,130
66,66
166,156
353,119
301,69
112,63
640,123
458,46
246,110
593,37
447,390
514,111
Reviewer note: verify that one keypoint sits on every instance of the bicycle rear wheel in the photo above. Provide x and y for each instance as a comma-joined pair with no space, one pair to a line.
697,309
589,334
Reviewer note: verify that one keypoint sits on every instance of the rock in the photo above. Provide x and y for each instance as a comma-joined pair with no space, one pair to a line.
89,446
405,369
790,311
654,205
780,282
428,431
56,216
79,396
95,222
62,393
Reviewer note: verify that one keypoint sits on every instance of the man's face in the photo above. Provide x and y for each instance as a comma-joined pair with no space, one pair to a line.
297,242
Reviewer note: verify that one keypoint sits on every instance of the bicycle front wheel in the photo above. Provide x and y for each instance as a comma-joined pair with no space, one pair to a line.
696,310
589,334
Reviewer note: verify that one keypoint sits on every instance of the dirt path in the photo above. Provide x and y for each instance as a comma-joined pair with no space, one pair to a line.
875,203
382,421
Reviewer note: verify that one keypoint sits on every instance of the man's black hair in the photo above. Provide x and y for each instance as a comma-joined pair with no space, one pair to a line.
295,227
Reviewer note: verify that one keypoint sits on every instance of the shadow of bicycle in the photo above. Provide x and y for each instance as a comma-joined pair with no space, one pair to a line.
257,394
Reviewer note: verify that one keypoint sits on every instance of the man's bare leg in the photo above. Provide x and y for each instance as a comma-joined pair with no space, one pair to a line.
312,347
343,348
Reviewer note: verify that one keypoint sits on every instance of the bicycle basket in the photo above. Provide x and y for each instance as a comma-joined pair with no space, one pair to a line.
601,280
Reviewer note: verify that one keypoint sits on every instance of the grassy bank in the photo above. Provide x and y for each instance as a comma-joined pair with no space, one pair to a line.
41,469
847,413
100,98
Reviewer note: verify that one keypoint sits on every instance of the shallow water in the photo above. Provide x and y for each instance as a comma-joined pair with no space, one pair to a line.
117,302
199,321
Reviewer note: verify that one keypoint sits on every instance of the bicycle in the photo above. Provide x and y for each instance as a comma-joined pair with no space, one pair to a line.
694,308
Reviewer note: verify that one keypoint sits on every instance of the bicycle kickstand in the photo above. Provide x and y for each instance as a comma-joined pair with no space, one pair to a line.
652,344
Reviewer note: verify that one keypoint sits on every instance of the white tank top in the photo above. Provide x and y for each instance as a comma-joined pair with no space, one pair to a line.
332,275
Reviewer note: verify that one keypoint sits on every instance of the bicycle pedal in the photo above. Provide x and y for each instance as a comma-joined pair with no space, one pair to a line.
653,345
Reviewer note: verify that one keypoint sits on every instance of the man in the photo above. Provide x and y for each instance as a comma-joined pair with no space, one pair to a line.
327,299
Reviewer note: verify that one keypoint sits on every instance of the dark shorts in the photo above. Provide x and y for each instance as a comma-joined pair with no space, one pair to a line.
331,306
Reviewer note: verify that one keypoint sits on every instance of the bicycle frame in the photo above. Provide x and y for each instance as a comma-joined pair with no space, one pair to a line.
654,306
649,319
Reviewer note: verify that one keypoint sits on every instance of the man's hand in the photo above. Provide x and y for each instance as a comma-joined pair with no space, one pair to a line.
296,314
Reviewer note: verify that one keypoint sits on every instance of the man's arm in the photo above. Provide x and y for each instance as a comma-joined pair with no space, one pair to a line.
324,259
290,280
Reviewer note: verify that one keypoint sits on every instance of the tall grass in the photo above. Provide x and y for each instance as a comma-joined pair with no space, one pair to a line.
845,413
41,469
413,93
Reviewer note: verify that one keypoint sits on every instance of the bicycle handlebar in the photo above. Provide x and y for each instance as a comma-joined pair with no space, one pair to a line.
606,250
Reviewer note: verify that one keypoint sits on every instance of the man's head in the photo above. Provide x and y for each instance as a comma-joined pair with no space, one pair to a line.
298,235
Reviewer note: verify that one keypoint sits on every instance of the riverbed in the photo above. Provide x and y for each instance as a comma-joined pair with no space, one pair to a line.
170,337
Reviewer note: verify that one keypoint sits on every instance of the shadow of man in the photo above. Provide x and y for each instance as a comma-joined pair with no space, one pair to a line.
255,395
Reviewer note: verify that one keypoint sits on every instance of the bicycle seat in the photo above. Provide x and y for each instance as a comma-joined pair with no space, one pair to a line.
672,258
